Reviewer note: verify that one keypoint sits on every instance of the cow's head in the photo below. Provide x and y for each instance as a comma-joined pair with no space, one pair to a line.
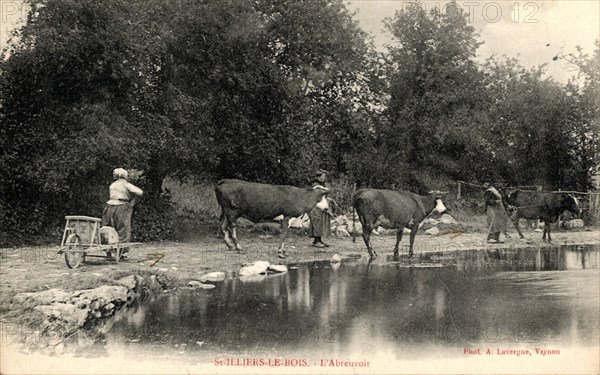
511,196
322,204
569,203
440,208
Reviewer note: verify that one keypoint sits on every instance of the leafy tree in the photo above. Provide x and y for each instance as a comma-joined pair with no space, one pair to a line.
434,92
186,89
65,108
585,91
537,124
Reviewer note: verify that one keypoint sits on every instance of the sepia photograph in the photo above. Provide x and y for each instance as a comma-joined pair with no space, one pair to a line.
300,187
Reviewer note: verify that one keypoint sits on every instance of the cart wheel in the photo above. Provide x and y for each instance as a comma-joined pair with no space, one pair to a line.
74,256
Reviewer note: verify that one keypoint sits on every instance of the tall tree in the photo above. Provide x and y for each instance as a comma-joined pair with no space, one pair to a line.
540,133
434,91
585,89
186,89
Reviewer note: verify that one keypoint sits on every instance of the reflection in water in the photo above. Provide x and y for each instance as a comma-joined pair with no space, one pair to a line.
504,296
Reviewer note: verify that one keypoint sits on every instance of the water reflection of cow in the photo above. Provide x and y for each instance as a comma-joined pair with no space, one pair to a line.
537,205
263,202
402,209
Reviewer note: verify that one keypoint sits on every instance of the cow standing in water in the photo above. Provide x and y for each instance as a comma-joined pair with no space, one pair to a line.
402,209
536,205
263,202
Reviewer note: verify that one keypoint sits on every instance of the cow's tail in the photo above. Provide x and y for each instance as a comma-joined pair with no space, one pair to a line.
353,221
220,201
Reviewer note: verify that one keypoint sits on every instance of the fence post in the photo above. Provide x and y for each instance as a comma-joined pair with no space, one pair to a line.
352,198
458,190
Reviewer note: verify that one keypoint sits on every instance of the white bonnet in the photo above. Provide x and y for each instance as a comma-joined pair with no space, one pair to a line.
120,173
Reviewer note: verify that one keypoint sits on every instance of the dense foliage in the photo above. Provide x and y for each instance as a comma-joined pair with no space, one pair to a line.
268,91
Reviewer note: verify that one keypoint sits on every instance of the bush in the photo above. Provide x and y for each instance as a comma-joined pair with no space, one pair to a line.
153,220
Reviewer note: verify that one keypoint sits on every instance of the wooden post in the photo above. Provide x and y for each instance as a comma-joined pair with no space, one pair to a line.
353,213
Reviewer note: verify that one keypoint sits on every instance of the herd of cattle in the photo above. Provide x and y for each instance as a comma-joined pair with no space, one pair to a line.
263,202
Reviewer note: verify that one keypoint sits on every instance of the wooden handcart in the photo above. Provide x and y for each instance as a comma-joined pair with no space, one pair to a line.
81,238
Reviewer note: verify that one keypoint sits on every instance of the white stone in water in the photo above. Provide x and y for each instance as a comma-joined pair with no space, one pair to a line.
259,267
198,284
278,268
213,277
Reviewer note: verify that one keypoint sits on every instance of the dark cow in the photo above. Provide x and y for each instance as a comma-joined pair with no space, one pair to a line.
402,209
262,202
537,205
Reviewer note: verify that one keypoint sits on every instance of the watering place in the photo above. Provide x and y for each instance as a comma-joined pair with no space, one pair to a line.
531,301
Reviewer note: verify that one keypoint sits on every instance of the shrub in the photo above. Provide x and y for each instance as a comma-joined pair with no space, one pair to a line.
153,220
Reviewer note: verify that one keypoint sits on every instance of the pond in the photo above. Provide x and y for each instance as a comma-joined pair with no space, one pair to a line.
439,305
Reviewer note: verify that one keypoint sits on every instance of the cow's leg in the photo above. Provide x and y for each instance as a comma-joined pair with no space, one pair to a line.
224,227
284,230
232,231
413,234
546,230
398,239
366,234
544,234
516,223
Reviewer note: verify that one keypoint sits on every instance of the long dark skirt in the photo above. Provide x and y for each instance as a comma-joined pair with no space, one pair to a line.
119,217
497,220
320,223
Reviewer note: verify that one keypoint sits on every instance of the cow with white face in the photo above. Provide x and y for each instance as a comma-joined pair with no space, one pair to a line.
401,209
546,206
263,202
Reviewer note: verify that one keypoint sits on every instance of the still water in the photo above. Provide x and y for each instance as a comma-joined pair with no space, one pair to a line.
437,305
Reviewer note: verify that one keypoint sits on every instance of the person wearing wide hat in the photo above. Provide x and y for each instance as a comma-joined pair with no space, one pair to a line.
320,221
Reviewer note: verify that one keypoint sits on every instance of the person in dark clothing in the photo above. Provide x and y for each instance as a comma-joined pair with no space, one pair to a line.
497,218
320,221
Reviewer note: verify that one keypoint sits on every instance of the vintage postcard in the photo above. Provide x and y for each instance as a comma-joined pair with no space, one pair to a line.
299,187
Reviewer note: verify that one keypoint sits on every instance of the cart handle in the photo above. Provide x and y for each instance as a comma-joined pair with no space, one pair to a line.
88,218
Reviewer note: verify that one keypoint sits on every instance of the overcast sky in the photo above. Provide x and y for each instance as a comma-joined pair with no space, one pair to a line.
521,29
